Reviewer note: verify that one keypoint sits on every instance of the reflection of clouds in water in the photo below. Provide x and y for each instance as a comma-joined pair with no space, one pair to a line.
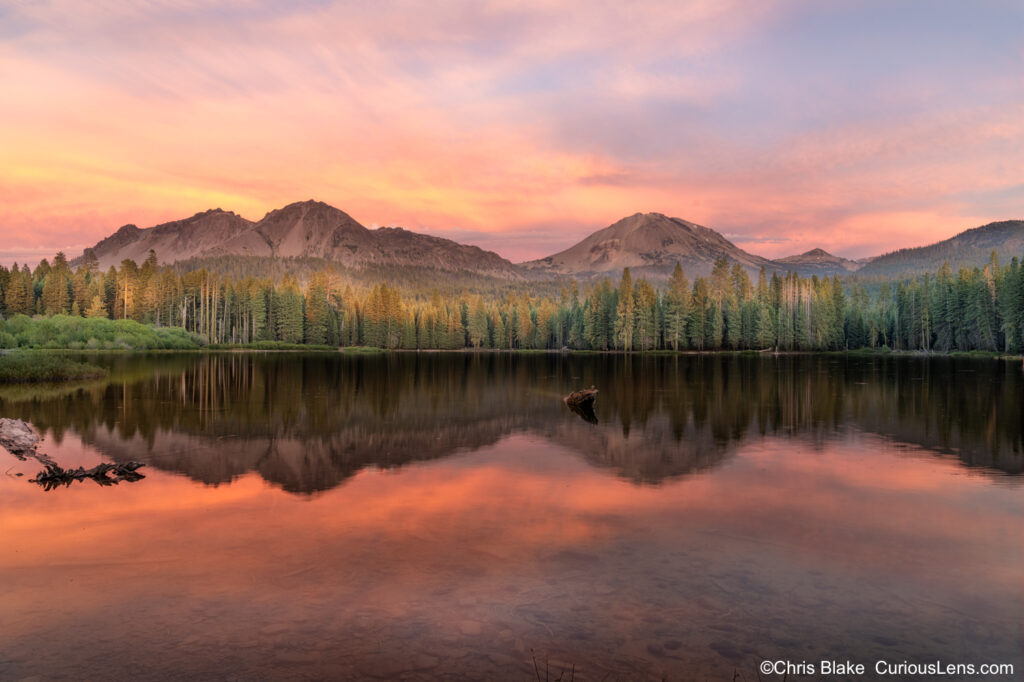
474,564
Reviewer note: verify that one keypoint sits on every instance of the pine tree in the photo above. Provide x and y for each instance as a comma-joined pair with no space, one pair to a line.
257,305
715,327
625,313
393,315
698,322
645,308
56,294
677,308
97,308
478,323
1009,306
127,281
17,296
316,310
498,330
110,292
5,278
732,322
288,312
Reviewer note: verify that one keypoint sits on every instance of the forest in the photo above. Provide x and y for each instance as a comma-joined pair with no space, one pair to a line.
977,309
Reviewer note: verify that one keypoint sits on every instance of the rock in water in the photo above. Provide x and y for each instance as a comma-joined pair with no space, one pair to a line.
18,437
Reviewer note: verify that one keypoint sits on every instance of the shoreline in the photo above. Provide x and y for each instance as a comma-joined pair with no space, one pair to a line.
373,350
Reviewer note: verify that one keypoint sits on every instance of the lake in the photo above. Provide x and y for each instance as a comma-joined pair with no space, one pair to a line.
423,516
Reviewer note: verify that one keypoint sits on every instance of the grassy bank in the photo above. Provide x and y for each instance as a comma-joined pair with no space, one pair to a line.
270,345
25,366
885,351
68,332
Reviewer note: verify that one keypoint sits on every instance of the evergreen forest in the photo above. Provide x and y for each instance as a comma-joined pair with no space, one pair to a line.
976,309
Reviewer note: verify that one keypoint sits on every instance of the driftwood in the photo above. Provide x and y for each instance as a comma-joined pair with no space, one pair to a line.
21,440
582,403
104,474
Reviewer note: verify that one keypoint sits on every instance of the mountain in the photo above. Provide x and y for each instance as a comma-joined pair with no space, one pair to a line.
308,229
820,262
171,241
970,248
650,244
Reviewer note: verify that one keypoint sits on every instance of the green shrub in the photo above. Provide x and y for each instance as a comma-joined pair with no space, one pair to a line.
20,366
64,331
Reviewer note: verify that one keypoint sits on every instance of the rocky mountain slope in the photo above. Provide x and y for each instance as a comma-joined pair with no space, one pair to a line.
821,262
308,229
649,243
171,241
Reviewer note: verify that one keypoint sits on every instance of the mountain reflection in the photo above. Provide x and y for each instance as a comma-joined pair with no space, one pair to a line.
308,422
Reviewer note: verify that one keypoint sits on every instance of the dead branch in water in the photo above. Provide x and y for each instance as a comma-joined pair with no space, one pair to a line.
20,439
104,474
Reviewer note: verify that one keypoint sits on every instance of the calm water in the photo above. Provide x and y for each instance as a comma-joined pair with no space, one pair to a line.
446,516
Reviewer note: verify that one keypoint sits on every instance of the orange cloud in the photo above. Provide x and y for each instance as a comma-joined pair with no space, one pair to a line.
501,121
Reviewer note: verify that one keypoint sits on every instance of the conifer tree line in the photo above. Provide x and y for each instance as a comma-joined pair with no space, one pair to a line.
976,309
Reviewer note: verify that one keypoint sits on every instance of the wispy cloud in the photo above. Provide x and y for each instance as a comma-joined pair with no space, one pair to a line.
521,126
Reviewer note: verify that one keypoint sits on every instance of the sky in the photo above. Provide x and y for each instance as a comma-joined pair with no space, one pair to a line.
518,125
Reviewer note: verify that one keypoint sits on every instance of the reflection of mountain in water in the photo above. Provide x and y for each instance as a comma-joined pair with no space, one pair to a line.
300,464
307,423
657,453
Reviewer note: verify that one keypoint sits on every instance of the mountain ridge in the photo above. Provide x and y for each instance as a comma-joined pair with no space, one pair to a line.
648,243
307,229
971,247
819,258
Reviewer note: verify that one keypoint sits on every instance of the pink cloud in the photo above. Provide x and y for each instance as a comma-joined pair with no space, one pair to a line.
502,120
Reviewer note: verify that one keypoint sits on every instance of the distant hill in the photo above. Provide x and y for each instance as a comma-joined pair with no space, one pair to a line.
308,229
649,244
968,249
821,262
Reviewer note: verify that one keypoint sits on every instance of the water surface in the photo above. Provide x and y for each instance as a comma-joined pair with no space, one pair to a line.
444,515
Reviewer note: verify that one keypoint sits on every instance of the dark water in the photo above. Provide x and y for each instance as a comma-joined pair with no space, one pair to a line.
446,516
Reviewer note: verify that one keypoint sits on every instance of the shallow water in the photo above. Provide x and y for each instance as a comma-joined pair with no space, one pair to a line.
445,516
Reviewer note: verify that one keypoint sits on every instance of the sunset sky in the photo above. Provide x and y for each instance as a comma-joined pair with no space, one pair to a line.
517,125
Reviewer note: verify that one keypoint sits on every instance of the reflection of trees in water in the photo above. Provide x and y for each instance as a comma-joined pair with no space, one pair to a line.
308,422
